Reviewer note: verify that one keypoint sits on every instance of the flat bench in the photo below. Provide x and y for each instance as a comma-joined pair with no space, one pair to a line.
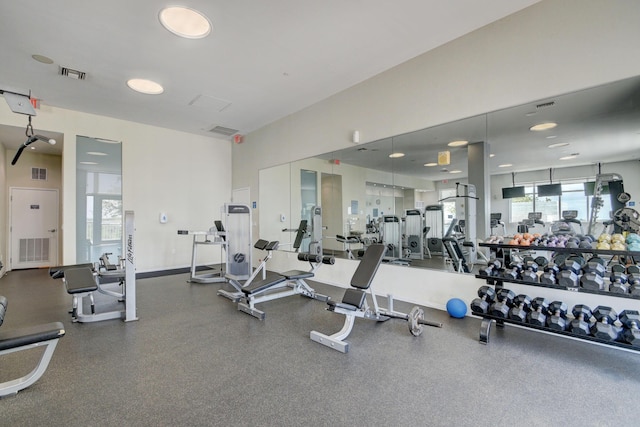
11,341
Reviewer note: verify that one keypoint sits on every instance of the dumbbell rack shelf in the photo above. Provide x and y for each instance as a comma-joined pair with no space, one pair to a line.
498,283
488,319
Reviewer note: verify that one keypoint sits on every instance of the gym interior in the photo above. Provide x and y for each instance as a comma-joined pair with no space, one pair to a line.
153,313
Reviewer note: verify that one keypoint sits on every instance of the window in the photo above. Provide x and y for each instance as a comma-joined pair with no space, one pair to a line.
573,198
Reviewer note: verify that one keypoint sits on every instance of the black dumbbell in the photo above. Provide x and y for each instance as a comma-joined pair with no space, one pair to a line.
580,324
492,269
521,306
486,296
604,327
558,316
631,321
504,302
618,283
618,268
593,275
514,273
539,310
530,273
550,275
569,271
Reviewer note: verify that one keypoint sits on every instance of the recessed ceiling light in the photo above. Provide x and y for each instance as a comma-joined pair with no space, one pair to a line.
459,143
551,136
43,59
558,144
492,155
455,171
430,164
396,155
505,165
543,126
185,22
32,147
570,156
145,86
96,153
88,163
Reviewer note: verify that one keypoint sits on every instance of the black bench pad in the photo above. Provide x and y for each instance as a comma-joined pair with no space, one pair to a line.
353,300
58,272
260,285
79,280
30,335
297,274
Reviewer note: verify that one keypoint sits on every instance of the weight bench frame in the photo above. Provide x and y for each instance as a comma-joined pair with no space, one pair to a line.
291,281
45,335
238,294
354,304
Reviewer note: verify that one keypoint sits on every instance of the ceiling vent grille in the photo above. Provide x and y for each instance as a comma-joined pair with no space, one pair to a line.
72,74
546,104
223,130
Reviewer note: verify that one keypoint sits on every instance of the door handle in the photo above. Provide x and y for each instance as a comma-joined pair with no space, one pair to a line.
53,230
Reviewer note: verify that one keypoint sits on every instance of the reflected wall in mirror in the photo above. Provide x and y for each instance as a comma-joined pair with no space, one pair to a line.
597,131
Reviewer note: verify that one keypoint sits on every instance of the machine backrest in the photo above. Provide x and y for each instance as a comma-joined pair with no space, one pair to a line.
272,246
368,266
302,229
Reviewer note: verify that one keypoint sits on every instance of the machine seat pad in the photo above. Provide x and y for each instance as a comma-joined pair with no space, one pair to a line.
259,285
30,335
58,272
297,274
353,299
79,280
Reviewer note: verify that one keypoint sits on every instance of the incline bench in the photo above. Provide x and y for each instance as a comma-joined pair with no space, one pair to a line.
23,339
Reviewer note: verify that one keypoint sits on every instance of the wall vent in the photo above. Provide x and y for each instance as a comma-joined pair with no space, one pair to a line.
39,174
73,74
34,250
223,130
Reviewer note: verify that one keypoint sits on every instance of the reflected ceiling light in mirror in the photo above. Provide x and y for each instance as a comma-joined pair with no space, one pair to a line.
96,153
505,165
459,143
570,156
185,22
551,136
88,163
558,144
543,126
430,164
396,155
43,59
145,86
455,171
492,155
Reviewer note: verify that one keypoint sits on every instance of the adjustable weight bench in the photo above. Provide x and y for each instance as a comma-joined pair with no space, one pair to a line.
281,285
354,304
46,335
348,241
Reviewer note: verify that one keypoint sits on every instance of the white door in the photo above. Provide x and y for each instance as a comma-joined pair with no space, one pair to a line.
34,228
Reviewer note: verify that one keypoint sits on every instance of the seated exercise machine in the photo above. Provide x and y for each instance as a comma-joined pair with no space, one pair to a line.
354,304
82,280
26,338
280,285
496,222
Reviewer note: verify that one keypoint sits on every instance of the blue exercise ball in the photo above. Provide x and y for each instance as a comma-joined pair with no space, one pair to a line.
456,308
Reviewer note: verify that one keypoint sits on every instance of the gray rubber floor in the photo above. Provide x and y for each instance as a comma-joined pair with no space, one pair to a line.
192,359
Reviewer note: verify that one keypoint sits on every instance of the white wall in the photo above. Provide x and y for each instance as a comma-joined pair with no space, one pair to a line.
186,176
551,48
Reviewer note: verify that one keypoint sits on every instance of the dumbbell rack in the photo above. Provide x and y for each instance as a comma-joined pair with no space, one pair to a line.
498,283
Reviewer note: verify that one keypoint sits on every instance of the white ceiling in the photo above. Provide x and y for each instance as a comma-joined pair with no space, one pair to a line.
263,60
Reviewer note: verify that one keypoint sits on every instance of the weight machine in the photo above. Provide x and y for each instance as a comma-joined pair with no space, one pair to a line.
215,236
414,232
434,221
237,221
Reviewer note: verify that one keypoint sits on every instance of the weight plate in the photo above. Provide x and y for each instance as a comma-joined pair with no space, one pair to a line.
415,315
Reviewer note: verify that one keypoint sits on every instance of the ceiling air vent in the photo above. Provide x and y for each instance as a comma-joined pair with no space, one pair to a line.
224,131
546,104
73,74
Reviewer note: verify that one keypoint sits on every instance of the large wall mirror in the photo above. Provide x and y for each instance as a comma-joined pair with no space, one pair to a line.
363,187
